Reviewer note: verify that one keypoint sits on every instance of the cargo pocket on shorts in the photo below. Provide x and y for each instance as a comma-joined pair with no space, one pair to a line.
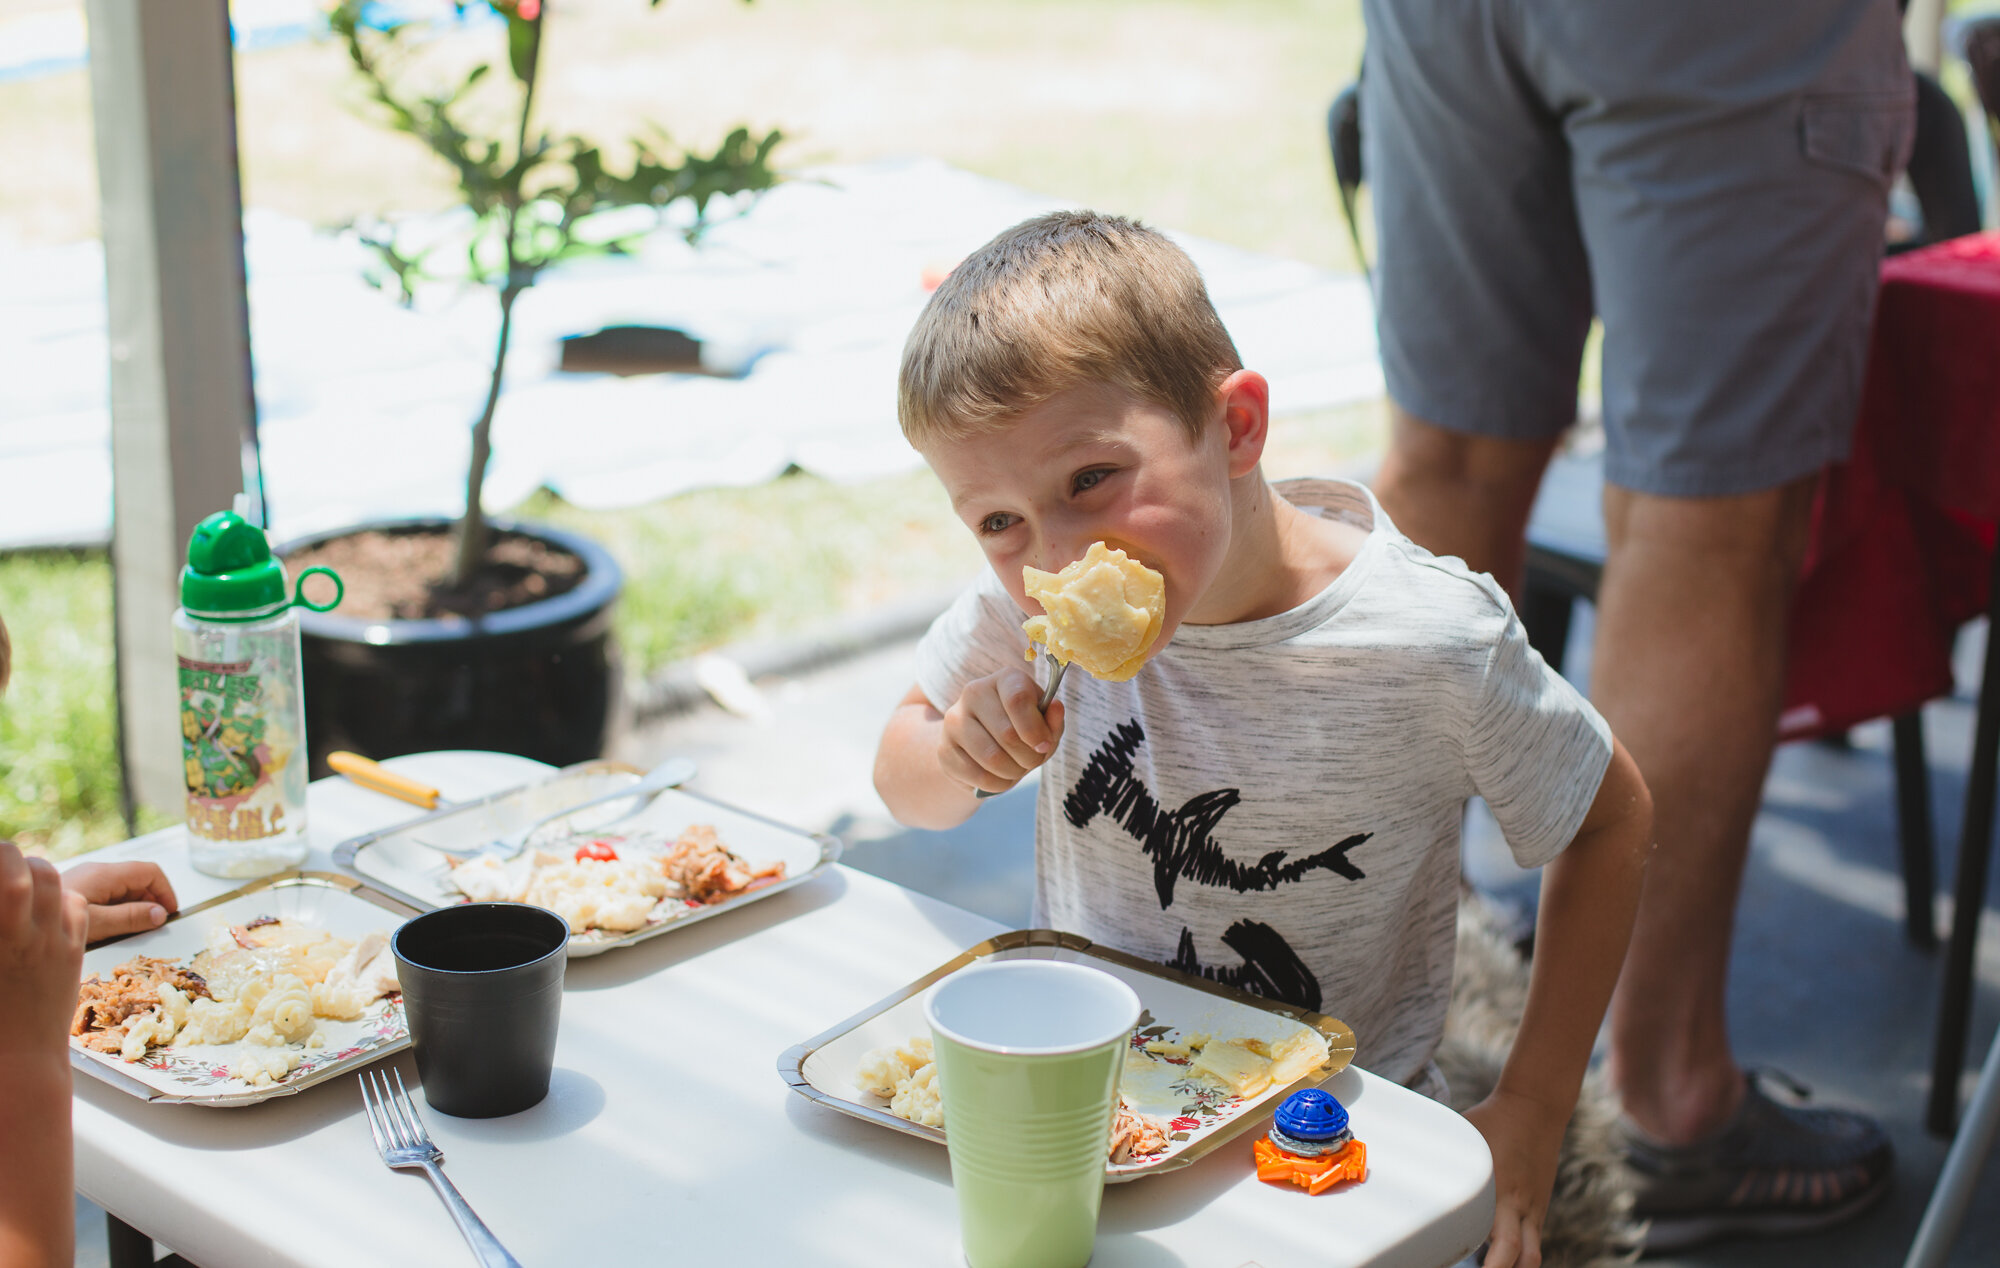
1868,134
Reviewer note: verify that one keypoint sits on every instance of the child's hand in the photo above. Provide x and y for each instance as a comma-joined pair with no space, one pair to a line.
995,734
126,897
41,955
1525,1137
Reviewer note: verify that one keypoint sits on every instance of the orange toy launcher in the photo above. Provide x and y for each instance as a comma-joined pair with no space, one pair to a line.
1310,1145
1313,1174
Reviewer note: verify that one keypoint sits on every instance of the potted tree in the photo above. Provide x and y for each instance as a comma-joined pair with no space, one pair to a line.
490,634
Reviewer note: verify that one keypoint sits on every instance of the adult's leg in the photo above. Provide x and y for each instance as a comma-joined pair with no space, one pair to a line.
1483,289
1460,494
1689,671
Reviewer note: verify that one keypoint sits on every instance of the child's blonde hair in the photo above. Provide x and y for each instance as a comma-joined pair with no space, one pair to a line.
1056,302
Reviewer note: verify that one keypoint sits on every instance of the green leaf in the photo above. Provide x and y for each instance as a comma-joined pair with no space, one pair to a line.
524,40
472,77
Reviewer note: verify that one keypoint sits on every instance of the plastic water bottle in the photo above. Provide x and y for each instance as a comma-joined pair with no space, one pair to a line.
243,720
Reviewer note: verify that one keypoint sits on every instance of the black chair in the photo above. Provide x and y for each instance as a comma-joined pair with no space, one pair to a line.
1940,170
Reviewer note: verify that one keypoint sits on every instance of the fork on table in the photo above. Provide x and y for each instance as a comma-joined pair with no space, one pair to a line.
403,1142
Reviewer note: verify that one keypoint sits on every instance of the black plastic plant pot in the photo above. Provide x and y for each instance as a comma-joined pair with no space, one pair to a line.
539,680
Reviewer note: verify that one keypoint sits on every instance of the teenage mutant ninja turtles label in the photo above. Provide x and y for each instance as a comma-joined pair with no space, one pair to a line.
233,752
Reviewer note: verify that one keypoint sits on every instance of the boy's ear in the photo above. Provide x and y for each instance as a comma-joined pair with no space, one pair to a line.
1245,398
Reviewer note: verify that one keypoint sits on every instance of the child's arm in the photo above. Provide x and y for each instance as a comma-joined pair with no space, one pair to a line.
41,956
1589,895
929,763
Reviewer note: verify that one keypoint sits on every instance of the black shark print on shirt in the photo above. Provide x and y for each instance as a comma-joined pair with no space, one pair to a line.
1179,841
1270,967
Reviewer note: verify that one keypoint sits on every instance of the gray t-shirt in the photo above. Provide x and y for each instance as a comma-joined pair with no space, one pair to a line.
1276,804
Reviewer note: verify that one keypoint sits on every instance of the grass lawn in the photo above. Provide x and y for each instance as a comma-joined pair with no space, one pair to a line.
58,723
1196,115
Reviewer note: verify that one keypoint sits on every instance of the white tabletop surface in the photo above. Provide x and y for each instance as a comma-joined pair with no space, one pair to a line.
668,1136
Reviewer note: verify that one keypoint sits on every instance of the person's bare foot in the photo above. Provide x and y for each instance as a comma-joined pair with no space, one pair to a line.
1684,1110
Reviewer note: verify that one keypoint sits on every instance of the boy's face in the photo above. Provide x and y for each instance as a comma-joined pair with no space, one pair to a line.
1097,464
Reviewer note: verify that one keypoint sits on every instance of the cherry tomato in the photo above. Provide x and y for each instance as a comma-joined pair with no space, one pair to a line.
599,850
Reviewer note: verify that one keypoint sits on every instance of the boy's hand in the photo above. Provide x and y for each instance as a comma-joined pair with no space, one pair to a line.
41,955
995,734
1526,1138
126,897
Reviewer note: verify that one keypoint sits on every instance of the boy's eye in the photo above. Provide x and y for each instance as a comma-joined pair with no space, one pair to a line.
998,522
1088,480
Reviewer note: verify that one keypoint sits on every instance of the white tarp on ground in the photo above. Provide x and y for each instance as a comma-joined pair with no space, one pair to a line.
364,406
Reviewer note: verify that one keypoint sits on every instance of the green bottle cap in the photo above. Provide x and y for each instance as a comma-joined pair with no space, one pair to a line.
231,574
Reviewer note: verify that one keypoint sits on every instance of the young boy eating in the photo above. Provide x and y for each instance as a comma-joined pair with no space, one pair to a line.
1274,800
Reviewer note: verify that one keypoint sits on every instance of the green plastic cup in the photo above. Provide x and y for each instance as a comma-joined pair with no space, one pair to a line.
1028,1058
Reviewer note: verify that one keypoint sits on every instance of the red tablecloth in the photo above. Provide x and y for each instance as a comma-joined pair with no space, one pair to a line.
1904,530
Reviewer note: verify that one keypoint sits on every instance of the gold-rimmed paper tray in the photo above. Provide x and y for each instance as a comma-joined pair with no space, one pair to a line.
403,859
1201,1117
199,1074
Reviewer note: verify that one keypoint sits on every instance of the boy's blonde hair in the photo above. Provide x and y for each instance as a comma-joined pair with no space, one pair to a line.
1057,302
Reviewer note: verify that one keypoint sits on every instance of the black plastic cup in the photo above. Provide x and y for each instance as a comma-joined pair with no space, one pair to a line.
482,985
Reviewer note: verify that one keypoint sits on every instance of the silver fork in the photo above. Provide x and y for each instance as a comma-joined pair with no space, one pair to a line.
403,1143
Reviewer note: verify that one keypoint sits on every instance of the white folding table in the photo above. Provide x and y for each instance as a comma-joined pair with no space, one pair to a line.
668,1136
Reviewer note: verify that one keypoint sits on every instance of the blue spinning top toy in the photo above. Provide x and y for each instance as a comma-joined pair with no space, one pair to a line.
1311,1123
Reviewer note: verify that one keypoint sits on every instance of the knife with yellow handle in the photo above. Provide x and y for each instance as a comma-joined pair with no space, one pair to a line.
375,777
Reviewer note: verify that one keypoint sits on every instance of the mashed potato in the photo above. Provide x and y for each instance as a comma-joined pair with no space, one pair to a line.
638,880
269,983
906,1077
1103,611
615,894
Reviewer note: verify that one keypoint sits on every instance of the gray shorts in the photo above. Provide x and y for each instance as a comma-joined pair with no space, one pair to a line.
1709,177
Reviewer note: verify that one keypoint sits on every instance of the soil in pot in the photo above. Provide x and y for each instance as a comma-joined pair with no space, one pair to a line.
520,662
405,576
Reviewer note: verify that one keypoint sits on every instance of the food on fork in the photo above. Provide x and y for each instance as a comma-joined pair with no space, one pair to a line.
616,884
265,985
1103,611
